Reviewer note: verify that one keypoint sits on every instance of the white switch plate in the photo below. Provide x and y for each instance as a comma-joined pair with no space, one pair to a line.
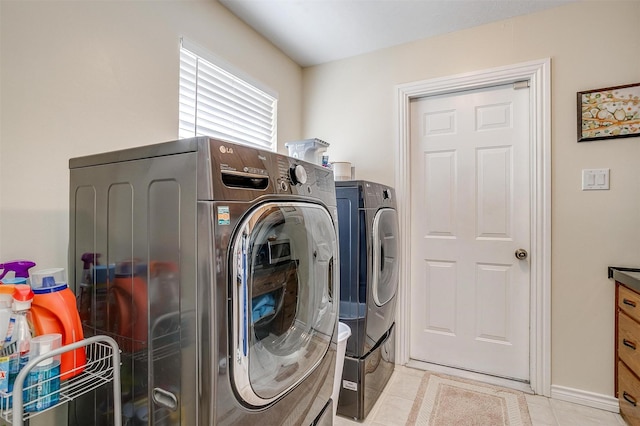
593,179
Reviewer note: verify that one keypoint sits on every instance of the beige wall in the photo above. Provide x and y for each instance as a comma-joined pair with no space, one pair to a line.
81,77
350,104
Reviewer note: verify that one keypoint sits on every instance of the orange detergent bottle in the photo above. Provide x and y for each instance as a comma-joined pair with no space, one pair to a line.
54,311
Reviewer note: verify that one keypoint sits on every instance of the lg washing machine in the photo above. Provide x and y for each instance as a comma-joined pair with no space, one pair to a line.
217,274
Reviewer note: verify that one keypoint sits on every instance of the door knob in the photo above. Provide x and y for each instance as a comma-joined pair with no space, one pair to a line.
521,254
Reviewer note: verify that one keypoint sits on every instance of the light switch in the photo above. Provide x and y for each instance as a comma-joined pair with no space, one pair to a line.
593,179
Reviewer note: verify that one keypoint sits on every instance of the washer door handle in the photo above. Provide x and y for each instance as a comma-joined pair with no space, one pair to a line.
165,399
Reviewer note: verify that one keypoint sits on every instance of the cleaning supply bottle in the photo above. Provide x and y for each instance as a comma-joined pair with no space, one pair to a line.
20,331
86,286
54,311
42,385
20,269
6,297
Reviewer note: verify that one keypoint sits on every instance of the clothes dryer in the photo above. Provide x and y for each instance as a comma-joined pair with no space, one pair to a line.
368,239
240,322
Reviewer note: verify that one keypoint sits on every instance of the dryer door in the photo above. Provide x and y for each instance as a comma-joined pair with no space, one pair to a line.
284,279
385,256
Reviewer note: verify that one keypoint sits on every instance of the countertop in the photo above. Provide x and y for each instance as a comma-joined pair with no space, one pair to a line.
630,279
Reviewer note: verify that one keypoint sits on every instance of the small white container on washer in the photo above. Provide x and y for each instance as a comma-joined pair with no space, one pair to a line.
341,170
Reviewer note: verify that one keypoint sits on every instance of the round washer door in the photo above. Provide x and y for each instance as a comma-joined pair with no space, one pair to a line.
385,256
283,282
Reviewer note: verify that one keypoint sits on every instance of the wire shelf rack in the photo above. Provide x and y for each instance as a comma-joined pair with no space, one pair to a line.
102,367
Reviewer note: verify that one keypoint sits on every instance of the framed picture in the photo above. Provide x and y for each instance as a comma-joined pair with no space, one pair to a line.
612,112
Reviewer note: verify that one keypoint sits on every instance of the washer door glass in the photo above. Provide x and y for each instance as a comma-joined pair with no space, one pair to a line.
284,278
385,256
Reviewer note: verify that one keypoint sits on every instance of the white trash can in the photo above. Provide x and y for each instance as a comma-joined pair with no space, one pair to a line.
344,331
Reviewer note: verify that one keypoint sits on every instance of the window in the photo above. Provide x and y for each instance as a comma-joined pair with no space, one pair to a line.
218,103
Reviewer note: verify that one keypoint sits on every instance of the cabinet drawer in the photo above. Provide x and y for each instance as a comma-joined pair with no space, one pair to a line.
628,395
629,342
629,302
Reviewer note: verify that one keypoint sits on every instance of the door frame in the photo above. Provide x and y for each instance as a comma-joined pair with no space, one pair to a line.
538,74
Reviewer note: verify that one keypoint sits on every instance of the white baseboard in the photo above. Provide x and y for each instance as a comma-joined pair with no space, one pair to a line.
590,399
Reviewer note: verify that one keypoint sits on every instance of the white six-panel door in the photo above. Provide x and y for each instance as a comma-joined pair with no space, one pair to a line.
470,212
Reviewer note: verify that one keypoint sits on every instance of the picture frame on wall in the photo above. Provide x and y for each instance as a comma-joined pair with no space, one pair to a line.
611,112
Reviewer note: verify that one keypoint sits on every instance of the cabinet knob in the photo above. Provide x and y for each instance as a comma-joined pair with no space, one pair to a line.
629,344
629,302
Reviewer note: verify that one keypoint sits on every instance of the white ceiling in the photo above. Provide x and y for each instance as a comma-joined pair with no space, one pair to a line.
313,32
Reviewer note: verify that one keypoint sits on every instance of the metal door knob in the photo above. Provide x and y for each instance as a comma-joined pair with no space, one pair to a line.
521,254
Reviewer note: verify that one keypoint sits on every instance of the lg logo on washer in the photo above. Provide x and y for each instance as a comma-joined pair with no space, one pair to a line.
225,150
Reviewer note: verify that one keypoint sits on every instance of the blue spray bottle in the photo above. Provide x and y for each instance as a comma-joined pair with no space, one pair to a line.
20,269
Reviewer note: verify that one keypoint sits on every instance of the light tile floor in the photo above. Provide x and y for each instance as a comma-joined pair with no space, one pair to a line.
394,405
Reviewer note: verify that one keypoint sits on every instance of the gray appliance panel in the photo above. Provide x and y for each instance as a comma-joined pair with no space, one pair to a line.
364,379
147,299
326,417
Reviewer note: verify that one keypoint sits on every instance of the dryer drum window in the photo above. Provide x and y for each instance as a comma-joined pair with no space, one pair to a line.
282,285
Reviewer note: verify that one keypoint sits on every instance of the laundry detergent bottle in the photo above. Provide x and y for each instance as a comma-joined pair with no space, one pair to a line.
54,311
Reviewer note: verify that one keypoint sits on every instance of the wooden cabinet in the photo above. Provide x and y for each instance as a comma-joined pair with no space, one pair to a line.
628,394
628,353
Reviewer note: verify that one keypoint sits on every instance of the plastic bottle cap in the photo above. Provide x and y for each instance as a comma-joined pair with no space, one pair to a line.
49,277
48,282
53,289
22,293
22,297
41,345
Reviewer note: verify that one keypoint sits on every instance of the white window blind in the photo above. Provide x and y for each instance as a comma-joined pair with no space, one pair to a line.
216,103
